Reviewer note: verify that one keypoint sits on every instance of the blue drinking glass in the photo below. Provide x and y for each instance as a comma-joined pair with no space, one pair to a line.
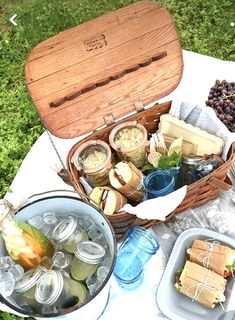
132,256
159,183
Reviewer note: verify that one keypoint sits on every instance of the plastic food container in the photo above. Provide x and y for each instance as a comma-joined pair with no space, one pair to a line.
129,140
174,304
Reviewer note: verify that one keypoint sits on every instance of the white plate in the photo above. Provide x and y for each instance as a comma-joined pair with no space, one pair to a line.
174,304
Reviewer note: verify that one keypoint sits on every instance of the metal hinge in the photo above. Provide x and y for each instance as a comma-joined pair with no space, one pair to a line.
109,119
139,106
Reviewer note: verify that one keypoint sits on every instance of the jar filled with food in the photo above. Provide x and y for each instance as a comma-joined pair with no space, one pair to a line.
25,244
68,233
26,286
129,140
93,159
88,257
57,289
189,164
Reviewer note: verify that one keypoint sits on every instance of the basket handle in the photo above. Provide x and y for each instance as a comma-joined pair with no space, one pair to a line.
222,185
114,75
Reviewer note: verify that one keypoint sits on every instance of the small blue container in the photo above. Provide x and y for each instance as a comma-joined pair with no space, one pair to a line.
159,183
132,256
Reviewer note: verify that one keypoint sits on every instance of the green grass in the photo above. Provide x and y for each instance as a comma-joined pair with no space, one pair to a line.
204,27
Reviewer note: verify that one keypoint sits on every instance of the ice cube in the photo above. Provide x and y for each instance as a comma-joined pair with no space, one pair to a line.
17,271
7,283
95,232
50,218
94,287
91,279
61,260
102,273
46,262
36,222
102,241
86,222
49,310
107,262
6,262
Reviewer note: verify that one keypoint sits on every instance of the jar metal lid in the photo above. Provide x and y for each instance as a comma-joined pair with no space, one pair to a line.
191,159
90,252
28,280
64,229
49,287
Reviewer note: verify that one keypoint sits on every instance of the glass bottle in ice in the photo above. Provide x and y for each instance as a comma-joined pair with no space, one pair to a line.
24,243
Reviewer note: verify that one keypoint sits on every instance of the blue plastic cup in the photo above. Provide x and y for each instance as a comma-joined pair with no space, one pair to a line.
159,183
132,256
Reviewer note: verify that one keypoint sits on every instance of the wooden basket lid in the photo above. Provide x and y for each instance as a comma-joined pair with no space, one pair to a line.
104,69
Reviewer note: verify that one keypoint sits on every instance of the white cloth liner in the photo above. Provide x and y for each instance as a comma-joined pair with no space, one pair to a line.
38,173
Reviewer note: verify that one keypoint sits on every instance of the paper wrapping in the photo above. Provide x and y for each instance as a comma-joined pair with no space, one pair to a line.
120,199
201,284
133,189
210,255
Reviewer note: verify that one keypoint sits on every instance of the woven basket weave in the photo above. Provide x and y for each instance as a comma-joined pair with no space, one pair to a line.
198,193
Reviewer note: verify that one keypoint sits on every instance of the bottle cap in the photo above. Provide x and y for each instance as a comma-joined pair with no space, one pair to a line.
90,252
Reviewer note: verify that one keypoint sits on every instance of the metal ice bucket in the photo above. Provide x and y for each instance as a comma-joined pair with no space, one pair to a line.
63,202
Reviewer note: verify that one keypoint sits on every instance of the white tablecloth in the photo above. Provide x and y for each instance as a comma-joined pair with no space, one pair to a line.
38,173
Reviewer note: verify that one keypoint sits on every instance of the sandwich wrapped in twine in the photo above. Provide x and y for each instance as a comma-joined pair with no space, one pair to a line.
202,285
211,255
132,189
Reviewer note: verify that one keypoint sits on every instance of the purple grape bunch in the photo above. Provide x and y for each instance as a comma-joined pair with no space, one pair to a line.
221,99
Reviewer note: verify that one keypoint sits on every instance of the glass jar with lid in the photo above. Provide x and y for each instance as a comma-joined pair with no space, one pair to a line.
69,233
189,164
87,259
93,159
129,140
57,289
26,286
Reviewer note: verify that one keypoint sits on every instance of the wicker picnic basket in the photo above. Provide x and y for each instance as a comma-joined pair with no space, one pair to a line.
87,79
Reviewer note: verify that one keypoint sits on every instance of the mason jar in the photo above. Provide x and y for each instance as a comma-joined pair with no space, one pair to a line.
69,233
26,286
57,289
188,168
130,139
93,159
159,183
87,259
140,245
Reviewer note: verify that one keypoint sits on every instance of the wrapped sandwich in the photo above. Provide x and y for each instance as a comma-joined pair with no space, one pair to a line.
214,256
108,199
201,284
128,180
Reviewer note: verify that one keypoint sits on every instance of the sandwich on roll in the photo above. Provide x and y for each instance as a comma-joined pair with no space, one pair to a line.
108,199
201,284
128,180
214,256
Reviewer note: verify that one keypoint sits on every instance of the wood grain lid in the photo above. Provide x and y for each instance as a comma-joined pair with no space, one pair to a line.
104,69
